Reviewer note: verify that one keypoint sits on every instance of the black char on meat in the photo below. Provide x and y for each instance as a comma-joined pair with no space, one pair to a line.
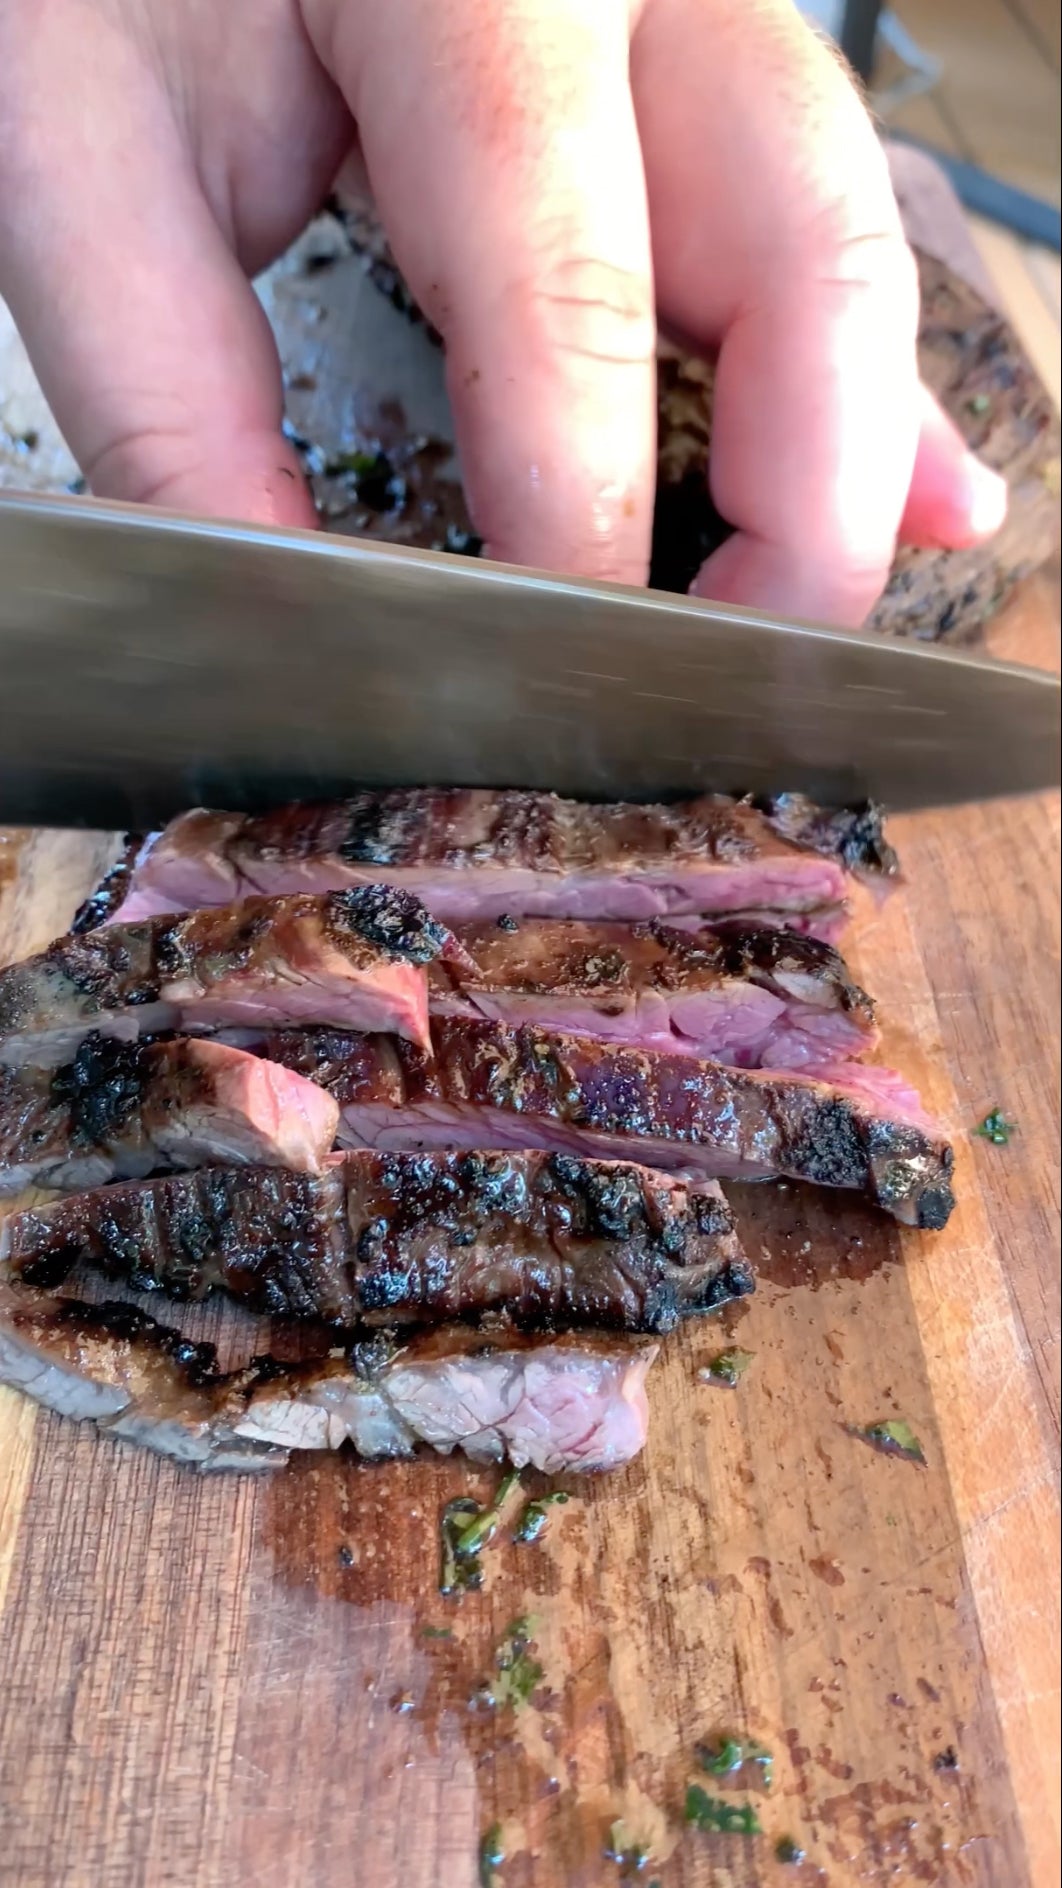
550,1241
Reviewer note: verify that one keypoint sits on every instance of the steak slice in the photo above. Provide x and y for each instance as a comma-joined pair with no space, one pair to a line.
473,855
856,1127
123,1109
568,1404
974,362
738,993
552,1241
354,958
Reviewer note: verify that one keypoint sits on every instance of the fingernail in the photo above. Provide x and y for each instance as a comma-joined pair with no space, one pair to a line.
986,498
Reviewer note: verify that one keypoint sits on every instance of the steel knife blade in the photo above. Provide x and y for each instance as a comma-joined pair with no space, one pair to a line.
149,663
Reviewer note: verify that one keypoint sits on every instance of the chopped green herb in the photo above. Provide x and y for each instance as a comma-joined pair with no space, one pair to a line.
786,1850
996,1128
436,1632
466,1530
728,1756
517,1675
718,1818
375,482
978,403
892,1438
624,1849
534,1517
720,1760
480,1532
354,464
728,1367
457,1575
491,1856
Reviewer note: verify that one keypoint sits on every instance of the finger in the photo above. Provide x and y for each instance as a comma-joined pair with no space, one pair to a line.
954,501
776,235
149,343
506,166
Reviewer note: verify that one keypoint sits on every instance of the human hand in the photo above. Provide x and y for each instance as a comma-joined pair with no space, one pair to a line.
539,165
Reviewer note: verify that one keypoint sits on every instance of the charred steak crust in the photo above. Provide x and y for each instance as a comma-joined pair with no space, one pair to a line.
853,834
103,1088
109,893
550,1241
390,919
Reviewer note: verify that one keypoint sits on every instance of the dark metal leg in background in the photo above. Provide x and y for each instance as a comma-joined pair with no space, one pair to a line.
858,35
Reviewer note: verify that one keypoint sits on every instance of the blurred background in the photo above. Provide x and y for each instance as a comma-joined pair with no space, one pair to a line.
977,82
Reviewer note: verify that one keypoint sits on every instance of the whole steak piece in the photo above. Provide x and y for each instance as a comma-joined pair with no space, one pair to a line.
971,359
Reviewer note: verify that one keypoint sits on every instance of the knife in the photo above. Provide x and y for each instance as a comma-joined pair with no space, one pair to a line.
150,662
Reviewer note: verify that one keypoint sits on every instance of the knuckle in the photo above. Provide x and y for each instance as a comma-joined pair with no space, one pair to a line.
594,309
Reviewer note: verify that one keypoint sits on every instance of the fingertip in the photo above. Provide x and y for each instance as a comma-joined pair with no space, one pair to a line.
954,500
982,499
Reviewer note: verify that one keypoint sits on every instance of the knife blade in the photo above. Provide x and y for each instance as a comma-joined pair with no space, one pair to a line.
149,662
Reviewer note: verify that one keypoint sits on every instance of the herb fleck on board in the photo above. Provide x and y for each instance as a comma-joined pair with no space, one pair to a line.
727,1367
996,1128
891,1438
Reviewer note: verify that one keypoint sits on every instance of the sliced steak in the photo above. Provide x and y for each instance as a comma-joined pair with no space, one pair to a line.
552,1241
738,993
861,1128
567,1404
124,1109
354,958
473,855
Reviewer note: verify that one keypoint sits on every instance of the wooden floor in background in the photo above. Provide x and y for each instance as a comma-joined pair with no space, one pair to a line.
997,104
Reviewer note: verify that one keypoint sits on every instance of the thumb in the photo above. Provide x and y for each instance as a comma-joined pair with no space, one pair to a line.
149,342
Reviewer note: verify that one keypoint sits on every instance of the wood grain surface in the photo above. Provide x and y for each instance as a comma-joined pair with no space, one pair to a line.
217,1682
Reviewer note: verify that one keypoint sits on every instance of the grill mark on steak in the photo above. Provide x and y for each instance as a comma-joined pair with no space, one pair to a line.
474,855
121,1110
356,957
551,1241
567,1404
738,993
863,1130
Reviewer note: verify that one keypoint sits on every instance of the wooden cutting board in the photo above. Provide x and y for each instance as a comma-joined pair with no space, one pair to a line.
212,1682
